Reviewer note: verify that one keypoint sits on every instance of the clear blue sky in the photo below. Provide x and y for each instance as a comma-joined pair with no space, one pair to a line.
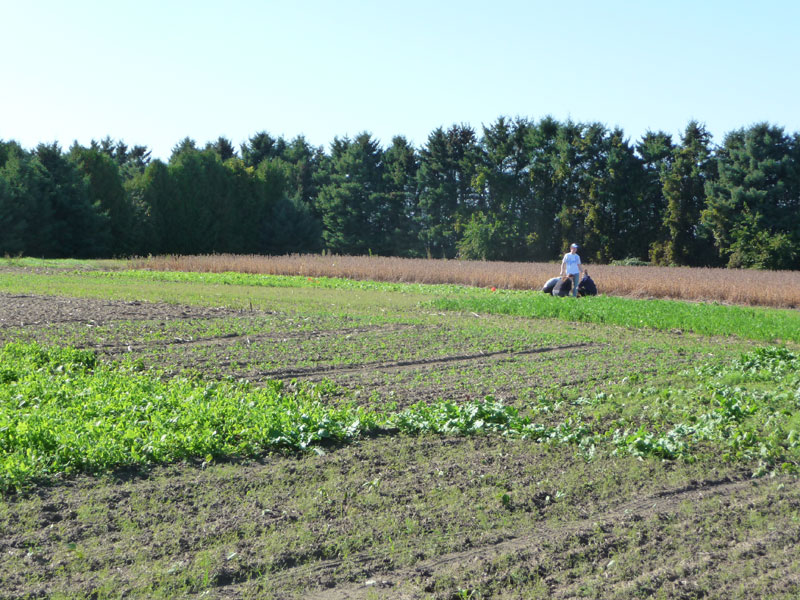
153,72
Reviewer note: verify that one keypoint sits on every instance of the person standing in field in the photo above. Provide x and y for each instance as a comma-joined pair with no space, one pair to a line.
571,267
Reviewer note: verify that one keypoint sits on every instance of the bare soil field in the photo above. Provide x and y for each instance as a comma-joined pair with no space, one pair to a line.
25,310
395,516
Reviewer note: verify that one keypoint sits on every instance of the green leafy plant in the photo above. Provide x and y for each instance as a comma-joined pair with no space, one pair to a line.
61,412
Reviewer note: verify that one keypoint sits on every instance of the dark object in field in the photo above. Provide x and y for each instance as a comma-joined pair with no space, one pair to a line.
563,287
587,287
551,283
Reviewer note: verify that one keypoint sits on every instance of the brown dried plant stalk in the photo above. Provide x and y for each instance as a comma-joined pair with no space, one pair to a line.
779,289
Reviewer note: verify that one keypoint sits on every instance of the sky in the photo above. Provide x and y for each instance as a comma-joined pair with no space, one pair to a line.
153,72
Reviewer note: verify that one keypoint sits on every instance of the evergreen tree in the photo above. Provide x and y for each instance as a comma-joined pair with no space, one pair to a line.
357,212
568,172
626,227
245,209
153,193
543,235
301,161
504,180
448,164
203,196
131,161
656,152
223,148
106,191
684,184
599,181
186,145
78,228
292,227
524,191
260,147
753,208
13,219
401,165
135,162
25,214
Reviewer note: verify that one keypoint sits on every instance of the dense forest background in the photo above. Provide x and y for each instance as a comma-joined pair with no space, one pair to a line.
520,191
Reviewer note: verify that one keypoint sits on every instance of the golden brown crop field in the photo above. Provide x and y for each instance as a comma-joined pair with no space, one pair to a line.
730,286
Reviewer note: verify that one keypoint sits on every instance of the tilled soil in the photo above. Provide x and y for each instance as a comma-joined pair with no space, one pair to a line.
23,310
277,528
548,541
391,517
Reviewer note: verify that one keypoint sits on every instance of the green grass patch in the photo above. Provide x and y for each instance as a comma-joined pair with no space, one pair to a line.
282,281
226,290
62,263
763,324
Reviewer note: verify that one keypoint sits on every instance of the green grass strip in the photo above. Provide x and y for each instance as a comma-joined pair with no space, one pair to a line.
279,281
63,263
763,324
755,323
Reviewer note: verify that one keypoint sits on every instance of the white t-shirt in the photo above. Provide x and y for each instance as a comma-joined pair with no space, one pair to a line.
573,262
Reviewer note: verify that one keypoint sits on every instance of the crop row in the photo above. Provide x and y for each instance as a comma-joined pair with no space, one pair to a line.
63,412
386,357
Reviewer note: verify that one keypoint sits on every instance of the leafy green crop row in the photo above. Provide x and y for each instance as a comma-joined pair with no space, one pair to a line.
736,423
733,412
60,412
63,412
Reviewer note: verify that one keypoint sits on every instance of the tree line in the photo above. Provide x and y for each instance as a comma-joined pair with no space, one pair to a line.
522,190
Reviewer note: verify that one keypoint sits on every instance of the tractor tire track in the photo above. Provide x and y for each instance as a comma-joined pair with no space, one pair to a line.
248,338
326,370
